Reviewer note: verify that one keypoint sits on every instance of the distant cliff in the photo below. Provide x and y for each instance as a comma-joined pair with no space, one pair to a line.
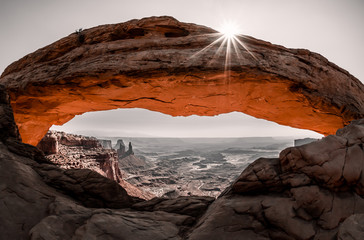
75,151
300,142
106,143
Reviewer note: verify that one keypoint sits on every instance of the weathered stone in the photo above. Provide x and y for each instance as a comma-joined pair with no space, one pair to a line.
314,191
71,151
105,143
155,63
314,186
192,206
332,162
89,187
49,143
262,175
234,217
8,127
352,228
280,213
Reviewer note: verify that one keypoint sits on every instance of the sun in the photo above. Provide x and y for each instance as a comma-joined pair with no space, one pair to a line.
229,30
228,41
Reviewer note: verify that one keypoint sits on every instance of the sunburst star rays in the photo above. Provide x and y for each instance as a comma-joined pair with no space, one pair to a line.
229,42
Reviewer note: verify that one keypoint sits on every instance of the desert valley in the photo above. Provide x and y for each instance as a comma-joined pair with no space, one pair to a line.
57,185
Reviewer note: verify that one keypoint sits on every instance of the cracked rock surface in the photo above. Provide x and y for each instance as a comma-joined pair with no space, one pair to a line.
39,200
313,191
155,63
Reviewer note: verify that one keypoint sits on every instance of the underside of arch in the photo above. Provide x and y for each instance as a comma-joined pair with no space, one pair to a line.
155,63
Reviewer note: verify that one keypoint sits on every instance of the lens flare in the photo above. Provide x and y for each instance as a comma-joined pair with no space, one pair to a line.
229,30
230,42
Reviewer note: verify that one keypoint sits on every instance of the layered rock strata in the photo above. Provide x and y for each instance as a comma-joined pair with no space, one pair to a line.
106,143
31,185
75,151
70,151
314,191
164,65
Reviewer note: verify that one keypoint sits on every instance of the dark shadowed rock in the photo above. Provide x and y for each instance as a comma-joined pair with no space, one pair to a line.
49,143
87,186
67,221
8,127
314,191
352,228
192,206
305,194
106,144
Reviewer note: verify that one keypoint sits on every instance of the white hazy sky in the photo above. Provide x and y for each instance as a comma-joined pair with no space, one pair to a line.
333,28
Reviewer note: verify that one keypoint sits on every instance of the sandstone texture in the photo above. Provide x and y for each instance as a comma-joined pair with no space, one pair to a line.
156,63
75,151
313,191
70,151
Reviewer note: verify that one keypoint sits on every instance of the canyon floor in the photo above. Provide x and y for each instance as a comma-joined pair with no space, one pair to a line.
309,192
194,166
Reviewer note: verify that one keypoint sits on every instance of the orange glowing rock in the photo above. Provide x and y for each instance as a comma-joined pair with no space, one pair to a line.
152,63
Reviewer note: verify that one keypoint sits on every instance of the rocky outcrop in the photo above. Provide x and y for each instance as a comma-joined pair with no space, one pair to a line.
75,151
352,228
313,191
49,143
121,150
134,164
71,151
31,186
120,145
193,206
156,63
299,142
8,128
106,144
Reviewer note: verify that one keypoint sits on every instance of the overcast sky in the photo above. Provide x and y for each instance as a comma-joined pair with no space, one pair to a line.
333,28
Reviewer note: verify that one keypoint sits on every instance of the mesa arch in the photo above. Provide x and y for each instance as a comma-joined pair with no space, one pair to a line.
148,64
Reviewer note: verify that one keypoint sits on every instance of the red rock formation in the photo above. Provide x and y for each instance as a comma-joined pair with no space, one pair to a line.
313,191
151,63
71,151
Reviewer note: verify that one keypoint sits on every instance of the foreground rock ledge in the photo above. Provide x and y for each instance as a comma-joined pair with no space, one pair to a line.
152,63
314,191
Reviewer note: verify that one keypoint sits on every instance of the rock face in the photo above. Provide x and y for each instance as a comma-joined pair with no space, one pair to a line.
75,151
71,151
106,144
156,63
314,191
31,186
8,128
299,142
306,193
120,149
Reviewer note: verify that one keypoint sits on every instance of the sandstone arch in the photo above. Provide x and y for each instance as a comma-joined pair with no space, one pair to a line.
147,63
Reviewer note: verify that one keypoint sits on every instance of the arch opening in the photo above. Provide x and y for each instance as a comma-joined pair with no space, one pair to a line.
172,156
147,64
143,123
